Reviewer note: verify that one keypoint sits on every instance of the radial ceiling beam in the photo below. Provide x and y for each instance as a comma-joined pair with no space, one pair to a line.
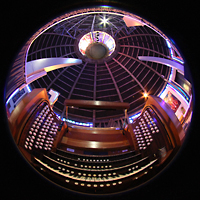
138,47
130,74
56,78
45,48
138,60
116,87
75,82
73,87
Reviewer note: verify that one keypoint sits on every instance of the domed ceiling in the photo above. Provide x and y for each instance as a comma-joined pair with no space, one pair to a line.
110,69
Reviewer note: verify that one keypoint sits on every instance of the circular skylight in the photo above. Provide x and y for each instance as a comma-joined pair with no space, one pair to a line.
97,45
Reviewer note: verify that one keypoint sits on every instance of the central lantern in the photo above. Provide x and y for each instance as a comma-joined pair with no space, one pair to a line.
97,45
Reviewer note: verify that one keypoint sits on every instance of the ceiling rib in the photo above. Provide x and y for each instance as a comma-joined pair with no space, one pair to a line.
130,74
45,48
116,87
138,47
72,89
144,64
75,82
52,82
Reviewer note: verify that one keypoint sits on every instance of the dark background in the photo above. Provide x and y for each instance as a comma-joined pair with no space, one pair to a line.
179,20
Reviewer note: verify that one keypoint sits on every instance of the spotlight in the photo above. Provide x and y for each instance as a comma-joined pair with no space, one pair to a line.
145,95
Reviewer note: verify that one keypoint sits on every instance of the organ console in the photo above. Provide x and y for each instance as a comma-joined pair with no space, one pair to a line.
95,160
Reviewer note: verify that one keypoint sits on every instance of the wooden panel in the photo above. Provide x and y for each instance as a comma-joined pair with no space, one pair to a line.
168,118
59,137
101,131
131,137
102,136
94,145
24,109
96,104
95,138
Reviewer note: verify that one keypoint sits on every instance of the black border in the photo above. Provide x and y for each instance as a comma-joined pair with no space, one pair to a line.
178,20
